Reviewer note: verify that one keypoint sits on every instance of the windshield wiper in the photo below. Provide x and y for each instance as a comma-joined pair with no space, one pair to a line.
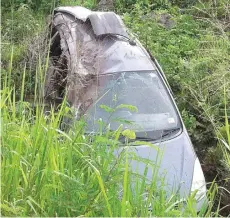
147,139
138,138
169,132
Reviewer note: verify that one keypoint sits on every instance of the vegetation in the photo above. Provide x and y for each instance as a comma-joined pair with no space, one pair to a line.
49,172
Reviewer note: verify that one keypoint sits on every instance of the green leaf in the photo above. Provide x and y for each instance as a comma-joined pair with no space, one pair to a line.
120,120
146,143
129,134
117,133
130,107
107,108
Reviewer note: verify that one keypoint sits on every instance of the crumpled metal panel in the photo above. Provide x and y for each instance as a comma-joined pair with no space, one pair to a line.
107,23
77,11
102,22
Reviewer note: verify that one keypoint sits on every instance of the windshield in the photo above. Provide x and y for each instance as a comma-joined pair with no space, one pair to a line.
138,100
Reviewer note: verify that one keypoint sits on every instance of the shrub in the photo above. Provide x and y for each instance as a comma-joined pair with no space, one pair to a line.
19,24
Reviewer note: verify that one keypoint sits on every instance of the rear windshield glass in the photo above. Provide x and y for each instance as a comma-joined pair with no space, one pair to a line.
138,100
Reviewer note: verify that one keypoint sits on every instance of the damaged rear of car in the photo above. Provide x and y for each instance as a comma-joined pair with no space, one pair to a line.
95,63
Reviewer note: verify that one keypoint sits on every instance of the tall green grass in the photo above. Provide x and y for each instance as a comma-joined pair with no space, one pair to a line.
46,171
223,132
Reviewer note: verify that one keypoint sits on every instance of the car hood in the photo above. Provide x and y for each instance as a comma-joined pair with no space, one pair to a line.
174,162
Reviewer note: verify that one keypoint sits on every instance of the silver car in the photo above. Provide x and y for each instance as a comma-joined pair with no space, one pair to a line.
105,71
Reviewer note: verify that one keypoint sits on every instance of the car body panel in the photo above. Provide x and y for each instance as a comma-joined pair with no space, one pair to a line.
102,22
176,160
119,55
78,12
